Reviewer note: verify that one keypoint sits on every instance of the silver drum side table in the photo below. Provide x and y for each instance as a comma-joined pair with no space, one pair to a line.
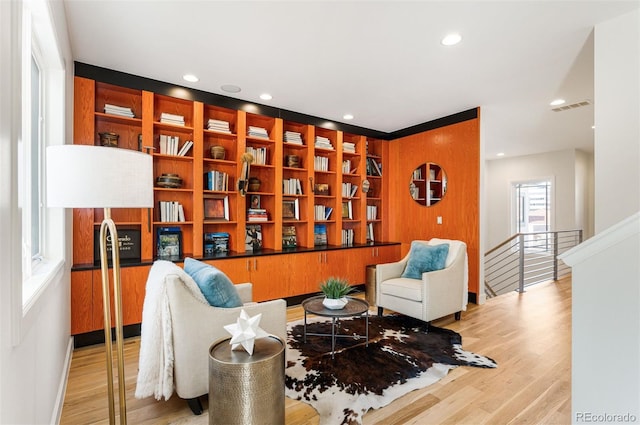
246,389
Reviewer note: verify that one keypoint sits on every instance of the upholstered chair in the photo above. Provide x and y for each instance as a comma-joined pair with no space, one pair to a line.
194,326
429,295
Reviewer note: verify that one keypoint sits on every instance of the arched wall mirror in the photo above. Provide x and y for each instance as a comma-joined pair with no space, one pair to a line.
428,184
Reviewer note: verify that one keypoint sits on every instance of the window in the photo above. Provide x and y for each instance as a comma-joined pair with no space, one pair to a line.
43,123
532,212
33,160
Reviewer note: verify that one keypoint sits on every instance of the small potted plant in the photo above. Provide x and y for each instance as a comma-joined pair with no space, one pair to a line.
335,291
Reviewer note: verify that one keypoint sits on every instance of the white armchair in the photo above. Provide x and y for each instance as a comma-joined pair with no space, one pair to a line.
437,294
179,327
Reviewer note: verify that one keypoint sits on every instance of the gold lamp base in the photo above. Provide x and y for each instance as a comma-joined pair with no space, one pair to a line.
108,224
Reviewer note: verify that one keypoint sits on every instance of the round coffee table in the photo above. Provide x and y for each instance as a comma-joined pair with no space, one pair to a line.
355,307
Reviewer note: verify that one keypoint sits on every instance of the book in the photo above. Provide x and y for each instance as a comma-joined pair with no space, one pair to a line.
289,239
169,242
347,210
185,148
253,240
320,234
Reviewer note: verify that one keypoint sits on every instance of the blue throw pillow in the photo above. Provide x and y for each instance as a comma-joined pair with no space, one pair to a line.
425,258
215,285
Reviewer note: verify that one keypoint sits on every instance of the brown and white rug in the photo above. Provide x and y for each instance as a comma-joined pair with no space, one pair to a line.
401,356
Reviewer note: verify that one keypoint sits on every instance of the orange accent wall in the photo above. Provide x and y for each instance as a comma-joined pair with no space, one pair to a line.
457,149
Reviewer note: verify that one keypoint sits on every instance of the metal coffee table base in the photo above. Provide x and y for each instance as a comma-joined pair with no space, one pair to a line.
356,307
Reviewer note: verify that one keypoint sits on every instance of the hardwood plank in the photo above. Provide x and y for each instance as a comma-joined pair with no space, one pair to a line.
529,335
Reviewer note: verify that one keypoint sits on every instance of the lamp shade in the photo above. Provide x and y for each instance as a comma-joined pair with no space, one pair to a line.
85,176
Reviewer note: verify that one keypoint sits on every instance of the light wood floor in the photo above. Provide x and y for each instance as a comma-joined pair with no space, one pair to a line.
529,336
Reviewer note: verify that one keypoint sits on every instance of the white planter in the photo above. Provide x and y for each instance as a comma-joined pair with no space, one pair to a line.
335,304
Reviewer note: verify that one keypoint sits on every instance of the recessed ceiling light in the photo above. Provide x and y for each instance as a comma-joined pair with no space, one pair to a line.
190,78
347,116
593,127
500,154
451,39
557,102
230,88
266,96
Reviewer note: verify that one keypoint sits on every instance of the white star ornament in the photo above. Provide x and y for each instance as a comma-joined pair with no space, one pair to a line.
245,331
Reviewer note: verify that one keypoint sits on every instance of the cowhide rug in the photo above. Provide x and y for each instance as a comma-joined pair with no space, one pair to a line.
401,357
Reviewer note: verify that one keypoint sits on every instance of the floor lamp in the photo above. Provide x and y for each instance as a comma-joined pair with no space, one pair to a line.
83,176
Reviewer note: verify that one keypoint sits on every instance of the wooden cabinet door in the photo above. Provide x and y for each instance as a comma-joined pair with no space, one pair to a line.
133,283
81,302
345,264
270,277
237,269
387,254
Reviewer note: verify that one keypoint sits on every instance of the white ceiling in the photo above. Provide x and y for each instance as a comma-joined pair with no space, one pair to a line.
381,61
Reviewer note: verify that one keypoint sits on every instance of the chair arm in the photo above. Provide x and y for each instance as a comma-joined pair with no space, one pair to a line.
245,291
388,271
446,290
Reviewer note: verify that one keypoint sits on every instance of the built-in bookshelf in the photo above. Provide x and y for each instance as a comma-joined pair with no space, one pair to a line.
301,170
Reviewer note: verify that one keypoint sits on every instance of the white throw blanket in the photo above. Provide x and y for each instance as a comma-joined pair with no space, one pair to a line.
155,366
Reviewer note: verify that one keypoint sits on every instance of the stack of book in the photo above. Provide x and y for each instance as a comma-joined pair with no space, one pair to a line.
320,163
322,212
259,155
169,145
293,137
167,118
319,234
349,190
118,110
374,168
372,212
218,125
348,147
216,180
370,237
323,143
216,243
257,214
258,132
291,187
289,239
346,166
347,236
171,211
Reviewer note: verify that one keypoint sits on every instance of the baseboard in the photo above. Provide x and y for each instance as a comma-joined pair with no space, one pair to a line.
62,388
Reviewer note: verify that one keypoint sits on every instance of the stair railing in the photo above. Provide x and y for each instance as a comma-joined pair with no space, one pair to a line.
526,259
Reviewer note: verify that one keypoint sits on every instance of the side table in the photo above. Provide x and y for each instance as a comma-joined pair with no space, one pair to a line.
246,389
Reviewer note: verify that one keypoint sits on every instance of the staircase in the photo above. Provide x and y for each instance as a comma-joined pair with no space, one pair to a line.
526,259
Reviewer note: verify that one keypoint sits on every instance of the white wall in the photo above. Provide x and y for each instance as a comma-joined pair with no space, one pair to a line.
606,294
617,119
563,167
605,371
34,344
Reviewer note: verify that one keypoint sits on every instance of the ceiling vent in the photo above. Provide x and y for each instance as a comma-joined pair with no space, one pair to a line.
571,106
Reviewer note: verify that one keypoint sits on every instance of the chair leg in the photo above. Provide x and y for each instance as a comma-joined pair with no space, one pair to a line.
380,311
195,405
458,315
